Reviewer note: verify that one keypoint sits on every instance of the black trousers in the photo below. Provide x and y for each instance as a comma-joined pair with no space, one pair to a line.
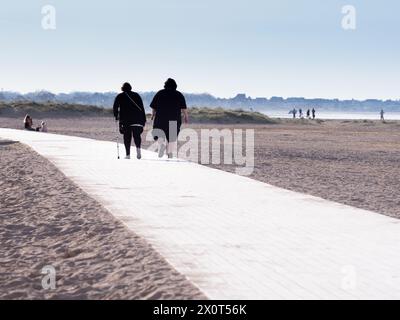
135,132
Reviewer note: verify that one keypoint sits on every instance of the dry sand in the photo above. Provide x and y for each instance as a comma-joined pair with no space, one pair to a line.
45,219
350,162
354,163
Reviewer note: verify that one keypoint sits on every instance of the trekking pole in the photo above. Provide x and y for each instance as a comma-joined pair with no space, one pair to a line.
116,122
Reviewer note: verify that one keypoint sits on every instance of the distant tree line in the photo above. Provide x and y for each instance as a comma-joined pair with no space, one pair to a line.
106,99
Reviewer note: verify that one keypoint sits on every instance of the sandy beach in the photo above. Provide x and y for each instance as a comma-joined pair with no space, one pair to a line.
48,220
347,161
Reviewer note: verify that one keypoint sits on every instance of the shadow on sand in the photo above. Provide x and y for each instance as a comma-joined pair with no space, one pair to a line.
7,142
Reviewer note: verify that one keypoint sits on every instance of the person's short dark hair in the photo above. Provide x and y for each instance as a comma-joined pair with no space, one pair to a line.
170,84
126,87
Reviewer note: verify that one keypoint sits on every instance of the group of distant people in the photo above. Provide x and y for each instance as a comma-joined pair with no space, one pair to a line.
28,125
310,114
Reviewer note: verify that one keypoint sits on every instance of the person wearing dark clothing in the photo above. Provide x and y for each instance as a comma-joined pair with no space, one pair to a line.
313,113
294,112
308,114
167,105
28,124
129,110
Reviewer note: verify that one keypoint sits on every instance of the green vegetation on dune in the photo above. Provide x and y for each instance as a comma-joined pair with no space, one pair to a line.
197,115
227,116
50,108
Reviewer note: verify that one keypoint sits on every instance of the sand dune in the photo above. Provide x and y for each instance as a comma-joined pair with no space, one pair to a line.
45,219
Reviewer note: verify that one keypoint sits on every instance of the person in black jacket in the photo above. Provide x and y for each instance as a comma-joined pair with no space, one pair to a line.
167,105
129,110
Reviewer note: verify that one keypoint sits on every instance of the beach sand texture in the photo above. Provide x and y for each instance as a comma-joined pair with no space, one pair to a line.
271,243
350,162
45,219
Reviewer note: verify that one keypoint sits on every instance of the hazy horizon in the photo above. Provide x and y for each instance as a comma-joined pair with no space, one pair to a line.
260,48
193,93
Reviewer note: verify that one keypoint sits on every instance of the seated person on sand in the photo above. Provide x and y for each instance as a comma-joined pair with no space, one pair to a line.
43,127
28,124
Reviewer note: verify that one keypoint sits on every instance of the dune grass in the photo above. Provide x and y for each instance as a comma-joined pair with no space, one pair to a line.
197,115
227,116
50,108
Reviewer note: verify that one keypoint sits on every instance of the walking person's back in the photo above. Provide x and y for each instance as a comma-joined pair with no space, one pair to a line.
129,110
167,106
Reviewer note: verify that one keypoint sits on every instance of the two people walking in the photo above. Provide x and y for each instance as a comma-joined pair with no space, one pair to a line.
167,106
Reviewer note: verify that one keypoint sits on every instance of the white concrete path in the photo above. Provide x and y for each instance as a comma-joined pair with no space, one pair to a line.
234,237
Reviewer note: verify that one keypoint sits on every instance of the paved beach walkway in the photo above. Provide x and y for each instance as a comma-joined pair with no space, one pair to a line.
234,237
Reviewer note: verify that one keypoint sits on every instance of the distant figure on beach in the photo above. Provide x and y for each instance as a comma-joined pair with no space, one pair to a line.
28,123
43,127
313,113
382,115
294,112
168,105
300,113
129,110
308,114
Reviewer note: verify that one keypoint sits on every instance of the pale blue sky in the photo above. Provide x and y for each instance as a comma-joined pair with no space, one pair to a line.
259,47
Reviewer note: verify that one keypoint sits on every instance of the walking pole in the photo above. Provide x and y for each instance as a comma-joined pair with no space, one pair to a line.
116,122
